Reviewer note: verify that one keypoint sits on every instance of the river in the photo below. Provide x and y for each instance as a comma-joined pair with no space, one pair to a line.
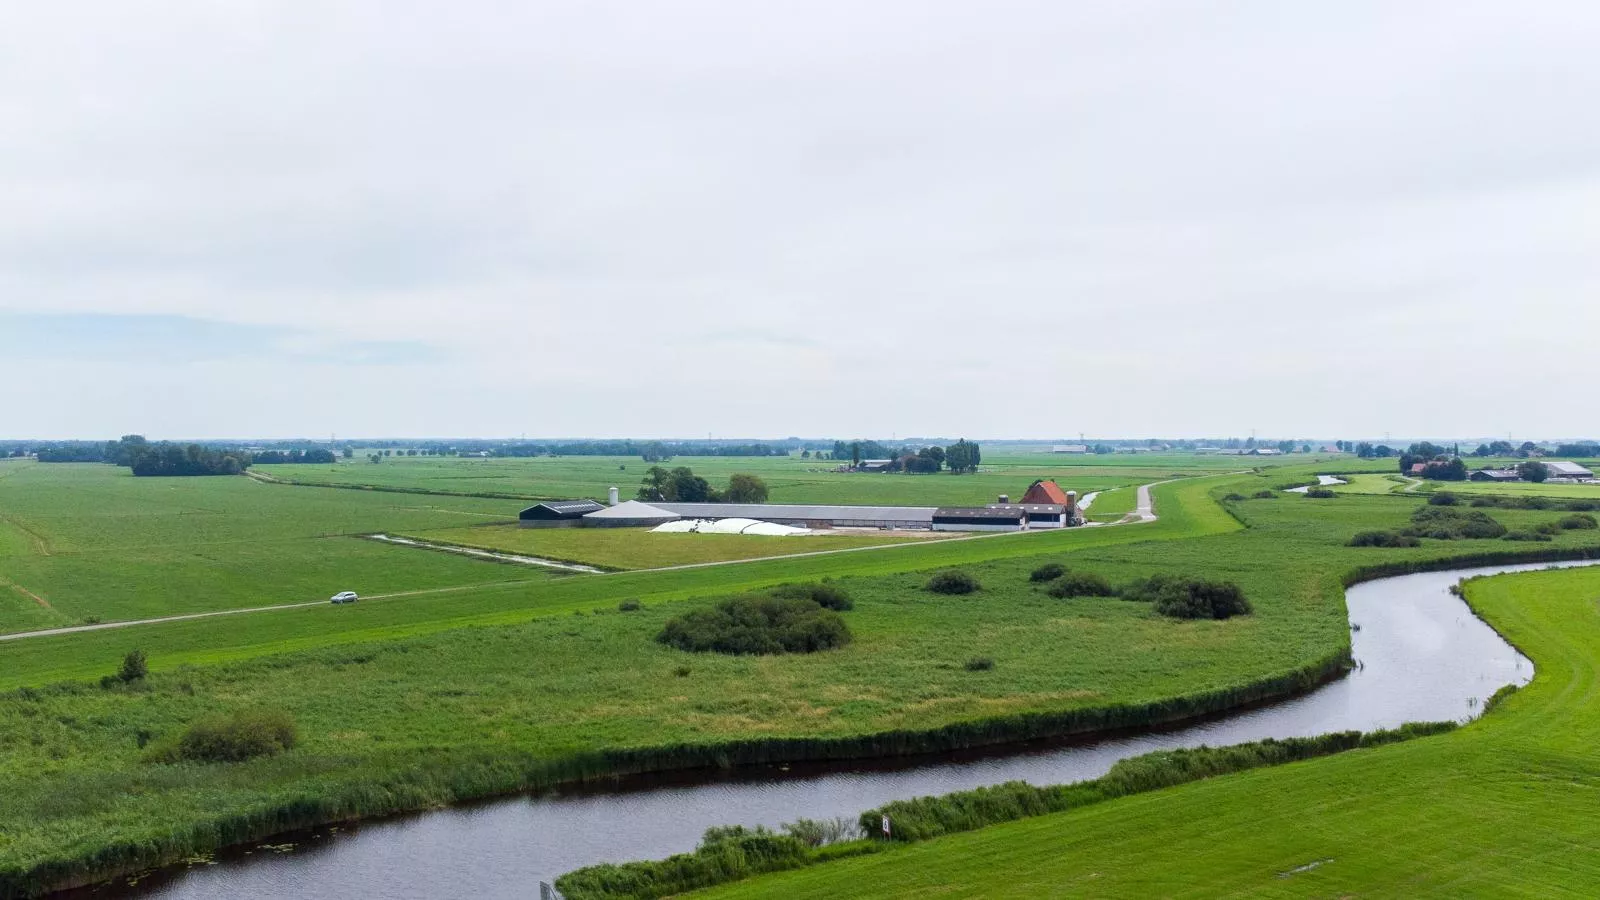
1422,655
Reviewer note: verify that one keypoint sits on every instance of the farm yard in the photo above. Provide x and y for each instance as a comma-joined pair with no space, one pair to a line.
456,678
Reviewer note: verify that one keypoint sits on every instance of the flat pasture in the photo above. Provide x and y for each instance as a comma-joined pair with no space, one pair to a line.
790,478
86,543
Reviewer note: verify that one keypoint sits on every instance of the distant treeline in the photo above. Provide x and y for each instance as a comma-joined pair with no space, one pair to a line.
651,451
166,458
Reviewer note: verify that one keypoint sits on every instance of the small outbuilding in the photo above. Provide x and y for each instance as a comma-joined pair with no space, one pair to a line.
629,514
557,513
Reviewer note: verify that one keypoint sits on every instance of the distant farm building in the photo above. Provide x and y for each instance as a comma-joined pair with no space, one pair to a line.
1568,470
1070,448
1495,475
874,465
916,518
979,518
557,513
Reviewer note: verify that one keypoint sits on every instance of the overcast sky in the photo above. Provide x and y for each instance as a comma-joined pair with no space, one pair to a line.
816,218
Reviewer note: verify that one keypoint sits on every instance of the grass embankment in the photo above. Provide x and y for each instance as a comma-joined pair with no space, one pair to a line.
1502,807
1112,505
638,548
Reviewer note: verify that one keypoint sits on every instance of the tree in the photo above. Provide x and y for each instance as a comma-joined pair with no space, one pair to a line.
1305,448
1527,449
1533,470
805,454
855,454
349,452
654,485
746,489
963,456
1286,446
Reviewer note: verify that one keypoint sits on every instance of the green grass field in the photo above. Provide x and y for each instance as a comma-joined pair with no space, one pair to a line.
637,548
1370,483
1502,807
470,686
790,479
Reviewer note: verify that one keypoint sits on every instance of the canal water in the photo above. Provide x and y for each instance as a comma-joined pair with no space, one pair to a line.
1422,656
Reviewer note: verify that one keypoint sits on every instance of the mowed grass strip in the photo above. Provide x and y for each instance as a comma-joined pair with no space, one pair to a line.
1503,807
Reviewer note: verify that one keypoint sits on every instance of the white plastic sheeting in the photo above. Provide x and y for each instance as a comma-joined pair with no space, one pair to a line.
728,526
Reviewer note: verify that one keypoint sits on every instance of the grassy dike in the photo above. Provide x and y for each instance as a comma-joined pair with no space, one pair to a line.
1501,807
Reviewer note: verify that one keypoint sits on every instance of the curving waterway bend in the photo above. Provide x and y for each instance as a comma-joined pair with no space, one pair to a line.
1422,655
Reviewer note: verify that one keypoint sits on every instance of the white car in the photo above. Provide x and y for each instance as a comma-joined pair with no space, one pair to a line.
343,597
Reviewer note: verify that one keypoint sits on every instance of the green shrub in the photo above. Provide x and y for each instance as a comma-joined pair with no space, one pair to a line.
1449,524
1081,584
757,625
232,737
1232,497
1319,493
134,667
979,664
1202,600
725,854
1264,495
632,604
827,596
1047,572
1550,528
1578,521
1147,590
952,581
822,832
1382,539
1443,498
1526,536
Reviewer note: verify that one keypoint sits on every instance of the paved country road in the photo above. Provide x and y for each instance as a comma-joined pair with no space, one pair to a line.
1144,511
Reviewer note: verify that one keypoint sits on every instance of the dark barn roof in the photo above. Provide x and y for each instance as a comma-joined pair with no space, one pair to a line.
561,509
977,515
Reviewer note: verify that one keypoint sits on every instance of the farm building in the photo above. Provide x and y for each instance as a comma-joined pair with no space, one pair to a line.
1039,515
1568,470
1495,475
630,514
902,517
557,513
979,518
1070,448
1049,493
874,465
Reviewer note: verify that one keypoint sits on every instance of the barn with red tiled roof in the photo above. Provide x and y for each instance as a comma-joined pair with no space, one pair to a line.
1046,492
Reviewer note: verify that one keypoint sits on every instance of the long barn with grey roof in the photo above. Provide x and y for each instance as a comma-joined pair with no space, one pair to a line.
805,516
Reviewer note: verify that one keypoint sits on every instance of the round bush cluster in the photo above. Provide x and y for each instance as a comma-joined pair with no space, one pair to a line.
1047,572
952,581
757,625
824,594
1081,584
233,738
